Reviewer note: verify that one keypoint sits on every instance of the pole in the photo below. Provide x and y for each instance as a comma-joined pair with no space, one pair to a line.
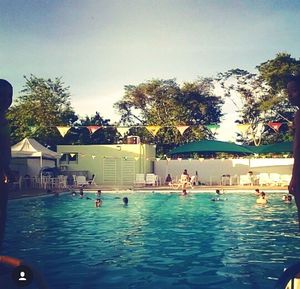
6,92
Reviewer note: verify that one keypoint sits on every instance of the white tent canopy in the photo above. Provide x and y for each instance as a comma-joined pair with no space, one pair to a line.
29,157
29,147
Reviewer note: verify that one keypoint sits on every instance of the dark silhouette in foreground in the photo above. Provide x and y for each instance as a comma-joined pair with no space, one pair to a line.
6,92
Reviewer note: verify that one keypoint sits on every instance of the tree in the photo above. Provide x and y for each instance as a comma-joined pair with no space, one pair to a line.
42,105
166,104
79,134
263,98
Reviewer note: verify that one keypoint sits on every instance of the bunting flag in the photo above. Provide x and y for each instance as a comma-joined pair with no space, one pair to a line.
182,128
122,130
274,125
93,128
213,127
257,133
259,129
243,128
153,129
63,130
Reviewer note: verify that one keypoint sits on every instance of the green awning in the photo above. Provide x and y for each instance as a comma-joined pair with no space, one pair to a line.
281,147
211,146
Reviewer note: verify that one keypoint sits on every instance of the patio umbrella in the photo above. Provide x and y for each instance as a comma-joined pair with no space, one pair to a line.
280,147
211,146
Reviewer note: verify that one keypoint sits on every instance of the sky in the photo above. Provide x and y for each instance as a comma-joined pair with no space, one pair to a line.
98,47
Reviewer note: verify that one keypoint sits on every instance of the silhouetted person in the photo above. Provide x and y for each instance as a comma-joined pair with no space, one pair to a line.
125,201
6,92
293,89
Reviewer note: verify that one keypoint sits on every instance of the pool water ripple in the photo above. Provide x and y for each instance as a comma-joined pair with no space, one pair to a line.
158,241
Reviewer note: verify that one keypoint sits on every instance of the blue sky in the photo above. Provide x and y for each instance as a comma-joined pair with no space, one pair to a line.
97,47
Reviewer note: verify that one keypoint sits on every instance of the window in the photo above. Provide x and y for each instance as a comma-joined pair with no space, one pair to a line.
69,158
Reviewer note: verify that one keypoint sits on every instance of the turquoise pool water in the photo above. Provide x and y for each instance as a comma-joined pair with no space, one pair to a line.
158,241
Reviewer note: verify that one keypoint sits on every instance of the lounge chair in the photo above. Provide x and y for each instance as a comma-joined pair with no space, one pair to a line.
18,183
92,181
183,182
285,179
263,179
140,180
275,179
81,181
246,180
151,179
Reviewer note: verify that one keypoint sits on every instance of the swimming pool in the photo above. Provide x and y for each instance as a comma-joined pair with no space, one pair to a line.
161,240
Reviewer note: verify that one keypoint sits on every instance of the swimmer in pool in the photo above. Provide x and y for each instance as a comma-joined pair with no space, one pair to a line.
125,201
81,193
217,198
262,199
257,192
98,194
98,203
184,192
288,198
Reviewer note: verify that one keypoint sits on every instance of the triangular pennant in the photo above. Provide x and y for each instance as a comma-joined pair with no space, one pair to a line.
243,128
182,128
213,127
63,130
274,125
256,133
93,128
122,130
153,129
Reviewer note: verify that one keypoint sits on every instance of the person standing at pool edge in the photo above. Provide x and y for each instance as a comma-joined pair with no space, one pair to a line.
6,92
293,90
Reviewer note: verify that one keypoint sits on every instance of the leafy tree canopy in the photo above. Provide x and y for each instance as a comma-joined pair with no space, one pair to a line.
165,103
42,105
264,98
79,134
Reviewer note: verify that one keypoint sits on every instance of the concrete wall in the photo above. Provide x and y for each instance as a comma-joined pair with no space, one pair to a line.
111,164
211,170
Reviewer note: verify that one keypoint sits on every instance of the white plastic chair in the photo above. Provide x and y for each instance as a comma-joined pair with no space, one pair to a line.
140,179
92,181
275,179
285,179
18,183
263,179
245,180
81,181
184,182
151,179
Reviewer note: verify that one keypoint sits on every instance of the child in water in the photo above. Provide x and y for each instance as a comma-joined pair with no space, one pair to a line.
184,192
217,198
81,193
125,201
262,199
98,203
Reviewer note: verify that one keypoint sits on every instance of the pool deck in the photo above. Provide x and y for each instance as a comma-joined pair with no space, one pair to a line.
34,192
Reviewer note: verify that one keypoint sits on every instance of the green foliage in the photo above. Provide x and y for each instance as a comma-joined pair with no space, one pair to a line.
165,103
107,134
275,72
264,98
41,106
